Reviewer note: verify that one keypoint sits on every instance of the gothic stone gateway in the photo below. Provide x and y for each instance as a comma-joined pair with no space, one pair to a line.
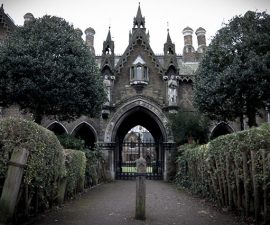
142,88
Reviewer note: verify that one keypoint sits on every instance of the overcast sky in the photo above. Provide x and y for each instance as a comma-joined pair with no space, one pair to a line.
119,14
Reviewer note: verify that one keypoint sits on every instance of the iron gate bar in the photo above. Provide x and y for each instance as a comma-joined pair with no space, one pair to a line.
130,151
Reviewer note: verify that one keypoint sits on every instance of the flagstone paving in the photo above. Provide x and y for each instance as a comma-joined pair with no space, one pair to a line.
114,204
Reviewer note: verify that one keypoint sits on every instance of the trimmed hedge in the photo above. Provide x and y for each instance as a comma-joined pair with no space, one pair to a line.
51,171
233,169
45,165
95,166
75,165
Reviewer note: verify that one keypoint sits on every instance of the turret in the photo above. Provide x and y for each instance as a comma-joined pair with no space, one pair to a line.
79,32
107,71
188,51
187,32
28,17
200,32
170,61
107,58
89,36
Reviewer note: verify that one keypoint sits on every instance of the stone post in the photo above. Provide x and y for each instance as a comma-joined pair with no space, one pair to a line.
12,185
140,189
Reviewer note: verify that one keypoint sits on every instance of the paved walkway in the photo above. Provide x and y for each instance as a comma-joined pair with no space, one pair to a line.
114,204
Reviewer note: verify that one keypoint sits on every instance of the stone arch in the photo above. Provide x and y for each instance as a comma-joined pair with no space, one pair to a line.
144,106
87,132
221,128
57,127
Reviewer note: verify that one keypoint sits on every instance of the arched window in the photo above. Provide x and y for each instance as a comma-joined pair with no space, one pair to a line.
221,129
139,74
57,128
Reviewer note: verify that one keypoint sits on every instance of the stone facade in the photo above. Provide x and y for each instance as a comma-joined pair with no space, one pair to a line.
142,88
6,24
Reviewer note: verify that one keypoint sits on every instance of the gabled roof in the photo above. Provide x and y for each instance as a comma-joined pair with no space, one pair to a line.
138,37
138,40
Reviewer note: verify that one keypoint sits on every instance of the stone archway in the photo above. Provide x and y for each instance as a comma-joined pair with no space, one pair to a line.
57,128
139,111
221,129
140,104
85,132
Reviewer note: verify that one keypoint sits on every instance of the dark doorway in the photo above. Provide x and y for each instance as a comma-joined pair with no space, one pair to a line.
131,143
221,129
84,132
57,128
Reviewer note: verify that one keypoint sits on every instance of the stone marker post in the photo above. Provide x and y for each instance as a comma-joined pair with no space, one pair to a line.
140,189
12,185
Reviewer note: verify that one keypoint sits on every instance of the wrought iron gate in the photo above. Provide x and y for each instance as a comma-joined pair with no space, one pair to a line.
129,152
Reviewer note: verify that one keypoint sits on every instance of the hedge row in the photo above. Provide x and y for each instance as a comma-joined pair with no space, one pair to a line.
75,166
232,169
95,165
47,166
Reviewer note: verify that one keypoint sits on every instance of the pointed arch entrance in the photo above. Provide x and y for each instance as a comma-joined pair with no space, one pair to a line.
85,132
57,128
150,116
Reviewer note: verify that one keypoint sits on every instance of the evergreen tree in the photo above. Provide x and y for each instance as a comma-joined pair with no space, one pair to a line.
233,78
189,127
46,69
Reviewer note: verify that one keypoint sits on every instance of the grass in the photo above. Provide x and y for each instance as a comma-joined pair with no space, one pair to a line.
126,169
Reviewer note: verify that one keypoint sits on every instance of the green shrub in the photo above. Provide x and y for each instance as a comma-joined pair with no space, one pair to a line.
188,127
192,170
70,142
75,162
94,159
95,167
233,169
45,165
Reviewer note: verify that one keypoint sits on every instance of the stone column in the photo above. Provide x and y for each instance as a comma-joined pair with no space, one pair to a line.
108,151
140,189
169,147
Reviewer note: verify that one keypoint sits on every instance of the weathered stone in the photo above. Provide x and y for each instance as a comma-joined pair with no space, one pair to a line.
140,189
12,185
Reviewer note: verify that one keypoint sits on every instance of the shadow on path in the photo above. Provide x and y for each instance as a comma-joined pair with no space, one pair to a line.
114,204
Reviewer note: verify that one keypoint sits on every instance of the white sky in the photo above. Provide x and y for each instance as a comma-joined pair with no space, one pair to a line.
119,14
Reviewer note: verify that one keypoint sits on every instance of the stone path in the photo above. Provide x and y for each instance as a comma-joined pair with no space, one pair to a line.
114,204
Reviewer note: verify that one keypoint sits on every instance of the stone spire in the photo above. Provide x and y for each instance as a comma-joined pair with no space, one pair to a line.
107,58
170,61
169,40
109,38
108,45
139,20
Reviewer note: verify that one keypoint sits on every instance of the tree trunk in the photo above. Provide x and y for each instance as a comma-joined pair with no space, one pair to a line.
242,127
251,114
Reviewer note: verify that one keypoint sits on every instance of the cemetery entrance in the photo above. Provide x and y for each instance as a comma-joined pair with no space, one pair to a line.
131,149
